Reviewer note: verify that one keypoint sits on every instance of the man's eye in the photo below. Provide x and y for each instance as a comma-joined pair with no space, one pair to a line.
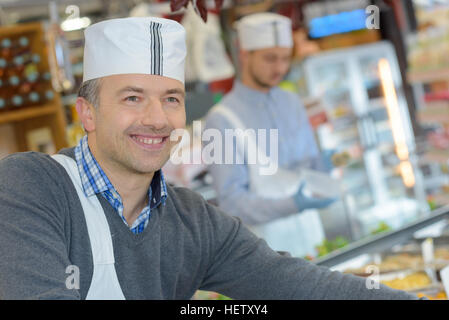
173,99
132,99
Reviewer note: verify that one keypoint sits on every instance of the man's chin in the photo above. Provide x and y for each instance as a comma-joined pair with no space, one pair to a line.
145,169
269,83
275,82
150,167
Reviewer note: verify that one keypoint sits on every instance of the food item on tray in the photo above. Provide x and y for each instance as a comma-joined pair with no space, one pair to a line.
392,263
441,295
404,261
410,282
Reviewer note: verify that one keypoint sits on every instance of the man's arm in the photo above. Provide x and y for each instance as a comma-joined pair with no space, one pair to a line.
231,183
33,249
244,267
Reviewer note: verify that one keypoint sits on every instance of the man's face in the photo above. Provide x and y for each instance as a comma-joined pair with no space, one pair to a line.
133,122
267,67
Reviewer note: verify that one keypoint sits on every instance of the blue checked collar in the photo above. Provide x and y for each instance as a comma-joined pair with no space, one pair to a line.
95,181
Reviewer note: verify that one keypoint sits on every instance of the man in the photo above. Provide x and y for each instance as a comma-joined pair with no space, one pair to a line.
98,221
270,205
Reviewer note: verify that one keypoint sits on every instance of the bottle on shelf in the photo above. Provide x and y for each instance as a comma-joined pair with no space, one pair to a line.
3,95
25,87
14,81
12,47
32,77
49,95
3,66
46,76
11,102
17,45
33,81
38,98
33,98
5,48
26,58
8,67
17,100
37,81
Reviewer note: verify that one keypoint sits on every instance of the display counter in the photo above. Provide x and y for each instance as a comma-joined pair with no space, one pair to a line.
411,258
386,240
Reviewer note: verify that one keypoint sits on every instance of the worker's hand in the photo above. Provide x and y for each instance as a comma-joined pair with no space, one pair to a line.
305,202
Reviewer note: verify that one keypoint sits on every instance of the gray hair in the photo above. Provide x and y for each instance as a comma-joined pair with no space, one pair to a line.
90,90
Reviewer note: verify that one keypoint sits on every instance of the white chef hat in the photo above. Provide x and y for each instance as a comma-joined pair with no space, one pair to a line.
264,30
143,45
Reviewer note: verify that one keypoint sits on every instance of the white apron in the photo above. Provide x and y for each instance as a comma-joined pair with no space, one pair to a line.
104,284
299,233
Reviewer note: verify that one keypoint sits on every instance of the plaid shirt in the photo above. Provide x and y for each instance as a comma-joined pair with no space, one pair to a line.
95,181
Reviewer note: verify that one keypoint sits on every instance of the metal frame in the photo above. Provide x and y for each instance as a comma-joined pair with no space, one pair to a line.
382,242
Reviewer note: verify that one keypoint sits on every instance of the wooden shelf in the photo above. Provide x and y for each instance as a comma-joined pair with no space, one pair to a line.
49,115
19,29
27,113
428,76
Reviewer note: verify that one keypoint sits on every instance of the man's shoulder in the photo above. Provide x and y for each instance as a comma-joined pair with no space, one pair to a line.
33,158
29,165
24,159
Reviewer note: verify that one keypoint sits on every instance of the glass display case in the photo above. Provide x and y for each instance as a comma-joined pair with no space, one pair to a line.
368,119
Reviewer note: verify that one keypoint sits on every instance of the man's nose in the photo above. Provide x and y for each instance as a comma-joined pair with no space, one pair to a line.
281,67
154,115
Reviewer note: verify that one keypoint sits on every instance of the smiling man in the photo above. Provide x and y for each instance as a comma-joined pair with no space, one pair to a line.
98,221
129,133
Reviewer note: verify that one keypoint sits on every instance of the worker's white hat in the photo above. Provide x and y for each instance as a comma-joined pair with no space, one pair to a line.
143,45
264,30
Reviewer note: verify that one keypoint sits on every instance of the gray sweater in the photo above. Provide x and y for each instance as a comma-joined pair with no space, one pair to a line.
187,245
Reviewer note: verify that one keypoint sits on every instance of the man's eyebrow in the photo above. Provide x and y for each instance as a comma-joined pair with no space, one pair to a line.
130,89
140,90
176,91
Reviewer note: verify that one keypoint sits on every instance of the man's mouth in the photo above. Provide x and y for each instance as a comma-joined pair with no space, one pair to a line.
149,142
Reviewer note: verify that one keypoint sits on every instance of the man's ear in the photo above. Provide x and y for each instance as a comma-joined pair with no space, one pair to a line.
86,113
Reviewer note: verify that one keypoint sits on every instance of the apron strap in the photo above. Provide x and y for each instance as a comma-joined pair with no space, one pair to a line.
104,284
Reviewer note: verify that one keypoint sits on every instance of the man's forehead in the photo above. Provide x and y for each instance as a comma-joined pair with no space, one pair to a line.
143,83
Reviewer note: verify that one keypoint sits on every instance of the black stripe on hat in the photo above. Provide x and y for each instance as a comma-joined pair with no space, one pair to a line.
156,48
161,44
276,33
159,48
151,49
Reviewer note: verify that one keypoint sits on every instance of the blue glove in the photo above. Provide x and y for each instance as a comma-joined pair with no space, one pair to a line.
305,202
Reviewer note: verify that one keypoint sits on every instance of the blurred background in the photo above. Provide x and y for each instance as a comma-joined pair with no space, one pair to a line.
373,75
